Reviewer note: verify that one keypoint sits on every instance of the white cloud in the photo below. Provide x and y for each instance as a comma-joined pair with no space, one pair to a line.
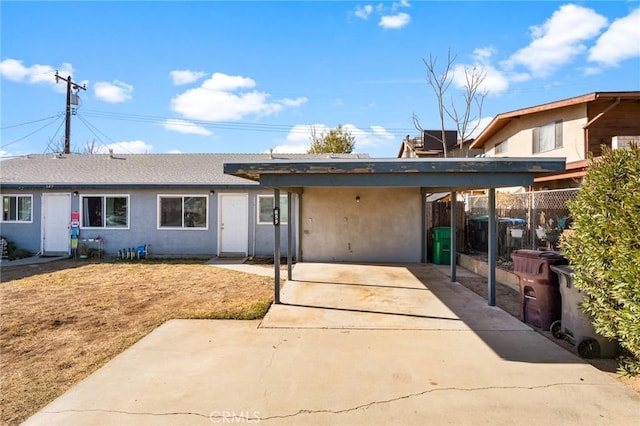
495,81
364,11
174,151
185,76
221,98
132,147
394,22
15,70
298,139
375,137
482,124
621,41
114,93
558,40
399,4
183,126
390,18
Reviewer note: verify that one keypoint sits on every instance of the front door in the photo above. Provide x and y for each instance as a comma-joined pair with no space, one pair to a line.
233,224
56,218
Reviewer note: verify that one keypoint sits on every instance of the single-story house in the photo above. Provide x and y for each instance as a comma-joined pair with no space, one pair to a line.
177,204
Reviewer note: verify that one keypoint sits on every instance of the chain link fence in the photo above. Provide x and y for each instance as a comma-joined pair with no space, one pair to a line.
533,220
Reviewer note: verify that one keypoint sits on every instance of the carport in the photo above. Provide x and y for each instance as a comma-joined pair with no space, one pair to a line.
412,177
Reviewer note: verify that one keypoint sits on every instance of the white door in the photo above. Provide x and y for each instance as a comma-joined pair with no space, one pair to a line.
56,219
233,224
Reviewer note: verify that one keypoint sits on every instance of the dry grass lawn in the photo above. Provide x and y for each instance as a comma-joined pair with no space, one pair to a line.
59,326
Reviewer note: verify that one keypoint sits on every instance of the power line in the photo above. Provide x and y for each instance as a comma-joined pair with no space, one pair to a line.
91,128
54,135
244,126
26,136
30,122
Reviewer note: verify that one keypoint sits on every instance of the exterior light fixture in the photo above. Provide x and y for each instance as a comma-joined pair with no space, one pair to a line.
357,198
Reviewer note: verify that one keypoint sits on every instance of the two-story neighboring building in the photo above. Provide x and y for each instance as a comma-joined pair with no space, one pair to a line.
428,145
572,128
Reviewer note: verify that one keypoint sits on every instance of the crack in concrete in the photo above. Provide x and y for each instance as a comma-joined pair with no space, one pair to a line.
241,417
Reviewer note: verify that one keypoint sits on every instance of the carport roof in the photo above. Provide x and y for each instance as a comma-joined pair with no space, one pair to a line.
433,174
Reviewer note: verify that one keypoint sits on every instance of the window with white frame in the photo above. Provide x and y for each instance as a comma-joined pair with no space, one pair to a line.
17,208
501,147
547,137
182,211
105,211
265,210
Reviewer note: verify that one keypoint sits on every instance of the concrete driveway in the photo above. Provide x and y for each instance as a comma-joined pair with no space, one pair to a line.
351,345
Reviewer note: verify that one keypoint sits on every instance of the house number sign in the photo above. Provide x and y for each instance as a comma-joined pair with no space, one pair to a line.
276,216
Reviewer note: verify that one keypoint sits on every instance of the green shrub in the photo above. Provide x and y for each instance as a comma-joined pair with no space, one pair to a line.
604,247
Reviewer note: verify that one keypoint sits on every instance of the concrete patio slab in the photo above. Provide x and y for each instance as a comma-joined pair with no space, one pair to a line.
190,372
382,297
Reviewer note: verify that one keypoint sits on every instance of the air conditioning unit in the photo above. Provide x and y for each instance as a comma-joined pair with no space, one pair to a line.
622,142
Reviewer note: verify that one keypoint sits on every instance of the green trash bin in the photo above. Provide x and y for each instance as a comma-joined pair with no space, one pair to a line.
441,245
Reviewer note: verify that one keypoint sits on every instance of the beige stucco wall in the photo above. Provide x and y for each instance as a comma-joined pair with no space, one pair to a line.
519,132
385,226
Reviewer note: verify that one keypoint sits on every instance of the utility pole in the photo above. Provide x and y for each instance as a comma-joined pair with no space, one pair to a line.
67,130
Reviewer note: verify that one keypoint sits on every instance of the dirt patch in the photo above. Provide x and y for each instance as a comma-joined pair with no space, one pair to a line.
508,300
61,321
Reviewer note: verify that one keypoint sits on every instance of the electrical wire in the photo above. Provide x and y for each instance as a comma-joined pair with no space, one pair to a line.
30,122
93,130
54,136
26,136
244,126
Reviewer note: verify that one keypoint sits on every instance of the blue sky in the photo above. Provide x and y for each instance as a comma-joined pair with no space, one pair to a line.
208,76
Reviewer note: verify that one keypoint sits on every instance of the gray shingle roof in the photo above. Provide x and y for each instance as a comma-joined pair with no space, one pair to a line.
131,170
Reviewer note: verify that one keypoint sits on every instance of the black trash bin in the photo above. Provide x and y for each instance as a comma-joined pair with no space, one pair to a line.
540,303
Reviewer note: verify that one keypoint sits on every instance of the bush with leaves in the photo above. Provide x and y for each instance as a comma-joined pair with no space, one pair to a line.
604,248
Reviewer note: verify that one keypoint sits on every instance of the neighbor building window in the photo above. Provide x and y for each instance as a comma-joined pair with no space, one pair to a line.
105,211
265,210
17,208
501,147
547,137
182,211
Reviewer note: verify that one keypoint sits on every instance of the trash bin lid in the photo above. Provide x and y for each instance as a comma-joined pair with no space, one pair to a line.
538,254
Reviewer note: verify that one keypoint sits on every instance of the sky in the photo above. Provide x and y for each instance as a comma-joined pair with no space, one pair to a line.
250,77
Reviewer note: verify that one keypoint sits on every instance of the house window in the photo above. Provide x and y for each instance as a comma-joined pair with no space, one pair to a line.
501,147
182,211
105,211
265,210
547,137
17,208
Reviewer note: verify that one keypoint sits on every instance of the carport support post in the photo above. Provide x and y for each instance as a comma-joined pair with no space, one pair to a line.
276,250
454,233
289,236
492,248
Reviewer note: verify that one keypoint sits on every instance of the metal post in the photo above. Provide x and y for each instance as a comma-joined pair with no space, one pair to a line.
423,200
289,237
276,250
492,248
454,234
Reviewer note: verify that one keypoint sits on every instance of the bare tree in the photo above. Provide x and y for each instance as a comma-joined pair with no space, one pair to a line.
90,147
473,100
440,81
